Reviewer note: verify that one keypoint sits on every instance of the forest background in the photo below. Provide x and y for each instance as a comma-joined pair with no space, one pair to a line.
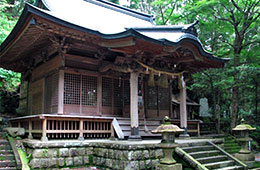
227,28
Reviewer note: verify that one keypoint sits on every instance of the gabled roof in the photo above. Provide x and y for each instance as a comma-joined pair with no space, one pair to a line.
101,19
99,15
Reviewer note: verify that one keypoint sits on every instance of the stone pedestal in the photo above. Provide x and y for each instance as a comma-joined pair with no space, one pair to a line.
246,158
169,167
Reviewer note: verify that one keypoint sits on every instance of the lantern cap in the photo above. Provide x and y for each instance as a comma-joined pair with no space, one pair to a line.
243,126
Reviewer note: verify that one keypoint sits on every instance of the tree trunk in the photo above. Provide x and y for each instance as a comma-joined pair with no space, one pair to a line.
234,106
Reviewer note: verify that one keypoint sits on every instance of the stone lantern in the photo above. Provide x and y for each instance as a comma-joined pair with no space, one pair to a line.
168,144
244,154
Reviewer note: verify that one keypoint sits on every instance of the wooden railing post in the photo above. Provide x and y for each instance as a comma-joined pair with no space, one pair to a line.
112,131
30,129
44,130
81,137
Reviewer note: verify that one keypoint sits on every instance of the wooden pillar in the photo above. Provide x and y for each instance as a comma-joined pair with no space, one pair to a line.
99,95
183,106
81,137
44,130
61,92
134,106
30,130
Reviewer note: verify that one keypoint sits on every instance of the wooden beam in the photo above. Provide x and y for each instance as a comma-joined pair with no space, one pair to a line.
81,59
123,42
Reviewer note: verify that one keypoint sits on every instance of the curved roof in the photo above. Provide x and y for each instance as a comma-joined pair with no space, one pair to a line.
107,21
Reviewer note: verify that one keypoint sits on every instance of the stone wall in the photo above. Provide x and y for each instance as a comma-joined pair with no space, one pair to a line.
105,155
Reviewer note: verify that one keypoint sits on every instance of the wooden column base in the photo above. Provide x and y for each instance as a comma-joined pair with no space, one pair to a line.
134,134
185,134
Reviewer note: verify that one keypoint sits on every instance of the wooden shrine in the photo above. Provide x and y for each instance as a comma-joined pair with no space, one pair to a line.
81,70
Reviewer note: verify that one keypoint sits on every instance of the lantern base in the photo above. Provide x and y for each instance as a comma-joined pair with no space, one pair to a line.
245,157
169,167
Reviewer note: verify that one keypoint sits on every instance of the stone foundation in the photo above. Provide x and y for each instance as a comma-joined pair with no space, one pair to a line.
103,154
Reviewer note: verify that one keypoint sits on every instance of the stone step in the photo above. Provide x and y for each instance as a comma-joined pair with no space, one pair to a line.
4,142
198,148
5,147
8,168
7,163
231,168
202,154
221,164
6,152
212,159
231,144
7,157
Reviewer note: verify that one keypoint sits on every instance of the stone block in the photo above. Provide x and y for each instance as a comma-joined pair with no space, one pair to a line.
73,152
60,162
159,153
154,162
44,163
146,154
131,165
52,162
169,167
52,153
78,160
64,152
69,161
39,153
152,153
148,164
137,155
86,160
34,163
141,164
109,163
110,153
89,151
81,151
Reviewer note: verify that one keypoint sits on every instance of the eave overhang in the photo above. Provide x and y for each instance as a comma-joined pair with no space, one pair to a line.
30,12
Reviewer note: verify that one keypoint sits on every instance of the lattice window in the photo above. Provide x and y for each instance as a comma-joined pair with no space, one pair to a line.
89,90
72,89
107,91
152,97
126,92
118,93
163,94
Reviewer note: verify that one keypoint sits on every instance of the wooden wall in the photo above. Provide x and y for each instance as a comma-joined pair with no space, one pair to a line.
42,96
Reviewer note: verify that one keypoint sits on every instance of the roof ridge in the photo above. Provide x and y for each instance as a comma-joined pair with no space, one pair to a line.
120,8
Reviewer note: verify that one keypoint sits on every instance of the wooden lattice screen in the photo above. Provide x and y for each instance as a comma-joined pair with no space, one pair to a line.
80,89
126,92
152,97
107,91
158,96
118,93
51,92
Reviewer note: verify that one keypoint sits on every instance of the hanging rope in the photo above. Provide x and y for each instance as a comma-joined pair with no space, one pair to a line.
160,72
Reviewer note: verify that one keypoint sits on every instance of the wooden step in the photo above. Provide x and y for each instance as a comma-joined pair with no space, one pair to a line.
221,164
